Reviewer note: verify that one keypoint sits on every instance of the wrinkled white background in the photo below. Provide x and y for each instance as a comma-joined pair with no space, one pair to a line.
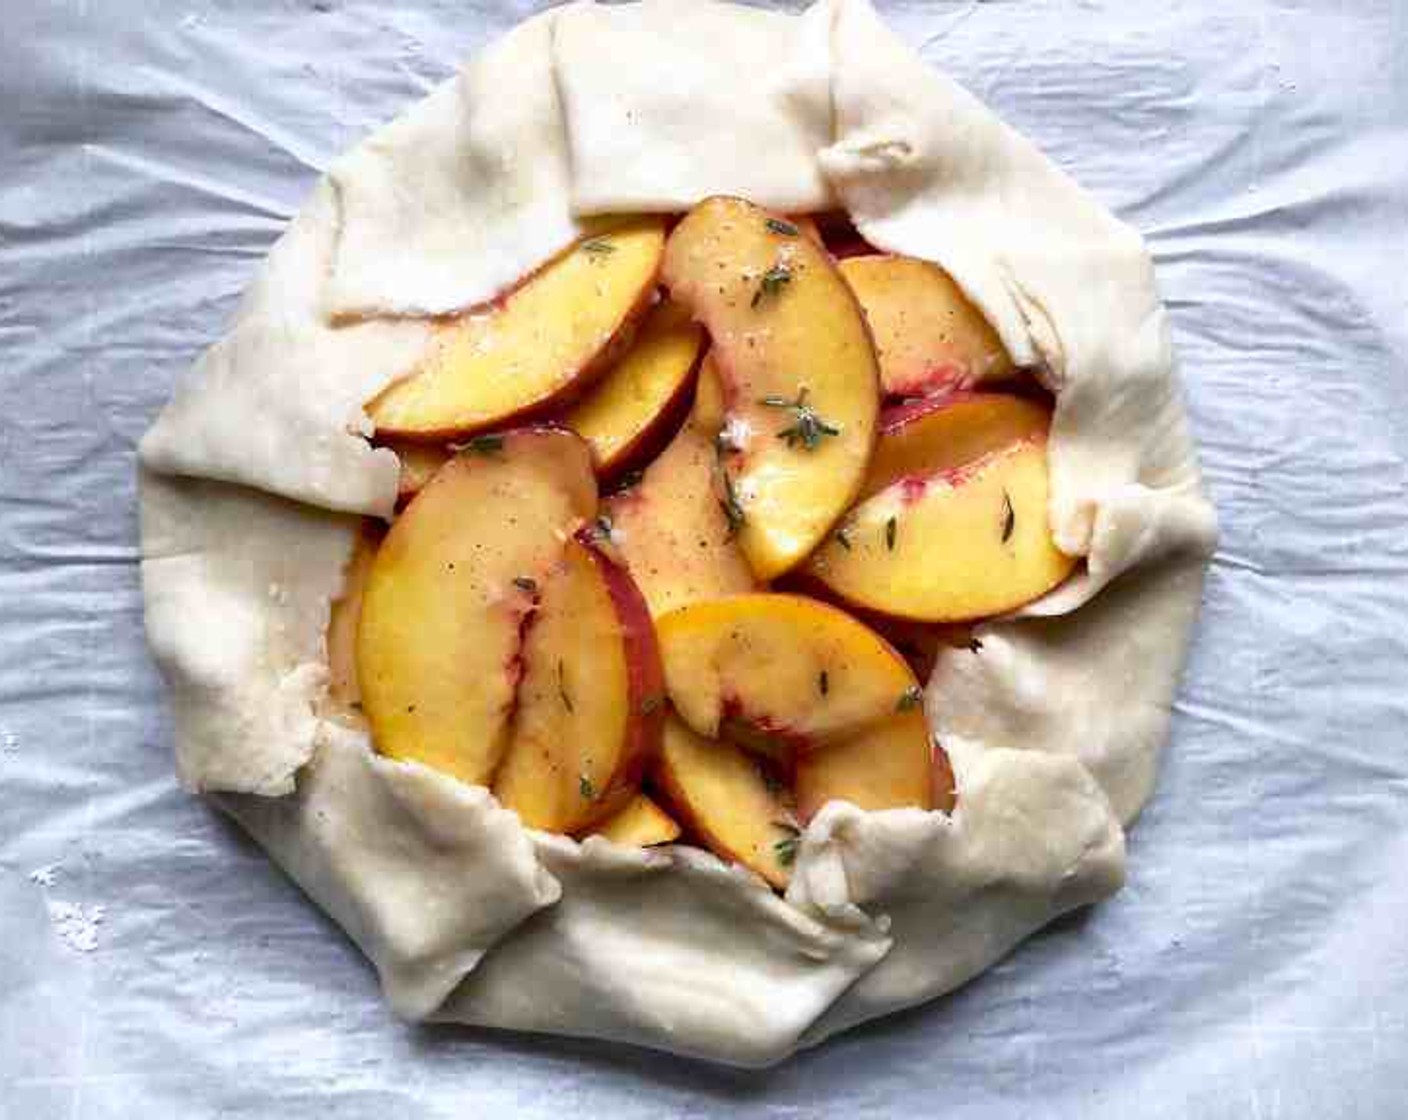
1256,965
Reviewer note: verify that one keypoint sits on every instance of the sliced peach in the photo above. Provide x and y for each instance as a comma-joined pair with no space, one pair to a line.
627,412
591,704
709,413
928,334
545,341
797,369
940,433
419,462
956,545
438,643
639,824
726,802
807,227
793,670
888,765
346,613
672,533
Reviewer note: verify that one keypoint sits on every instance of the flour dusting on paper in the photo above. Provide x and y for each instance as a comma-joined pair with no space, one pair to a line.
45,876
76,924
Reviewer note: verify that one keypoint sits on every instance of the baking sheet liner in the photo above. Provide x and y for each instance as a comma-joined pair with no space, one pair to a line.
153,963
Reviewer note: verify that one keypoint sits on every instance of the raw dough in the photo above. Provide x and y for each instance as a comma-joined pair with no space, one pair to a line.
1054,726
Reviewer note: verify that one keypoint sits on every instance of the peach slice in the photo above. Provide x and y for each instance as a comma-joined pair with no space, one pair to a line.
787,668
345,615
928,334
940,433
419,462
671,532
952,546
542,343
438,642
708,414
888,765
723,799
625,414
591,703
797,368
640,824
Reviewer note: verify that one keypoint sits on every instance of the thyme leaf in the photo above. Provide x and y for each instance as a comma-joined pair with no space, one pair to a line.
807,427
843,537
585,787
823,683
786,848
784,229
562,686
774,280
1009,517
909,699
598,247
651,704
480,445
630,479
892,527
525,583
733,510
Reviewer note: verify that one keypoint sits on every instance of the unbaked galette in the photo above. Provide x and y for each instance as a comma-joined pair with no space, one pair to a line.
694,563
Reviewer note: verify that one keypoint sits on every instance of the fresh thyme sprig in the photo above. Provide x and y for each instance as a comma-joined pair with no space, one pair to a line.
773,281
733,509
807,427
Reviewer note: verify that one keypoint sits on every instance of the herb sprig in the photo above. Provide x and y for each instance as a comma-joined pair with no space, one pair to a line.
562,692
729,503
786,848
807,427
481,445
773,281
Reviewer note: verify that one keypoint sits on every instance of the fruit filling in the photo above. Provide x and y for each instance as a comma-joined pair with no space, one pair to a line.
820,469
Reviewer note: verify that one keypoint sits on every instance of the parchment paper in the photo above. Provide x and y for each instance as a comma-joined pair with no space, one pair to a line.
153,964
